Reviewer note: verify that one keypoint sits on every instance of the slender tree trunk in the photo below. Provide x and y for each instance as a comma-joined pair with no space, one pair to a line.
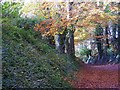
106,45
99,32
118,38
70,49
118,50
114,31
114,39
69,42
107,40
59,38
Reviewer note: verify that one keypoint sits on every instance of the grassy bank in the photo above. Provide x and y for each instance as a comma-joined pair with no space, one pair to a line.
29,62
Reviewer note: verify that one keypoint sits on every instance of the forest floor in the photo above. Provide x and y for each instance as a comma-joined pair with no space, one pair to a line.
96,76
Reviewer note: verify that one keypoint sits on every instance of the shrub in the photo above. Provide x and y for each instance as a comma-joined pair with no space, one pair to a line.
85,51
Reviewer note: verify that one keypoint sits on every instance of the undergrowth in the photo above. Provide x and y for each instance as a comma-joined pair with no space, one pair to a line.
29,62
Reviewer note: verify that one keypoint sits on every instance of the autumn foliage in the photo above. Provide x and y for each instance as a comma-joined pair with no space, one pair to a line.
83,14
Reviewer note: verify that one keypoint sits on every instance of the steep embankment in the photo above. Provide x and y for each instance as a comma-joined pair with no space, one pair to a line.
28,62
92,76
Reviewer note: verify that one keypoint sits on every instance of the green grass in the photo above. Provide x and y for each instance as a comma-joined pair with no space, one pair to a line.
29,62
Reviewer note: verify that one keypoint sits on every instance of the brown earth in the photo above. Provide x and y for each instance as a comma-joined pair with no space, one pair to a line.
96,76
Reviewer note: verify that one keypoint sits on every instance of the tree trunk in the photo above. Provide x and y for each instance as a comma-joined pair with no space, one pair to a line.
114,31
106,45
118,38
59,43
107,40
114,40
99,32
69,44
118,42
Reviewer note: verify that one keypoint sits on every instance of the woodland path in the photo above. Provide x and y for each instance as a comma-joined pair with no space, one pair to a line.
96,76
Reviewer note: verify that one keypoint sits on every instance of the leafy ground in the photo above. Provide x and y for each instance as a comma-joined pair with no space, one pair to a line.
29,62
96,76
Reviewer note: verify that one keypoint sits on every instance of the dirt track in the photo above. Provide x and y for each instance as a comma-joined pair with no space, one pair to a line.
102,76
